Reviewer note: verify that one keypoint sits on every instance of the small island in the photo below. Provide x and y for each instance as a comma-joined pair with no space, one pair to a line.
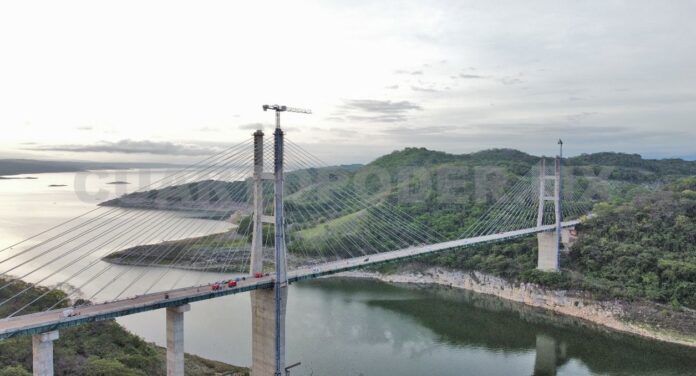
118,182
57,185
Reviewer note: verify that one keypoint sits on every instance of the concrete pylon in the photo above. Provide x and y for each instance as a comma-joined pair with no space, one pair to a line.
268,307
42,347
175,339
549,242
257,229
542,191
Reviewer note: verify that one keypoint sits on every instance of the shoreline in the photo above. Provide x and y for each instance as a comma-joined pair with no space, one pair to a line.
607,314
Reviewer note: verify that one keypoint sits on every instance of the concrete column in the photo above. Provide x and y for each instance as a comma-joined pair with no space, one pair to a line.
279,208
175,339
546,356
257,230
42,346
557,203
263,313
542,191
547,259
280,288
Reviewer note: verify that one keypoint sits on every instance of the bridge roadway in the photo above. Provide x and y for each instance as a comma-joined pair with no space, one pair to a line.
45,321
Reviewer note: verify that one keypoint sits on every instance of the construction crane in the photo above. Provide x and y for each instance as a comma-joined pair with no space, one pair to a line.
278,109
281,280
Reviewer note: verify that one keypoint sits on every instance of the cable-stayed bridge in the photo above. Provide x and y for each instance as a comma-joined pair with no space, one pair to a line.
300,220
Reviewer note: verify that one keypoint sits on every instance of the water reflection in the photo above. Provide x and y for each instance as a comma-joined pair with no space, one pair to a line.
494,329
550,354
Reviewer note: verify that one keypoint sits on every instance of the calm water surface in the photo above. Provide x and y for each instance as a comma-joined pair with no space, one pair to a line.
355,327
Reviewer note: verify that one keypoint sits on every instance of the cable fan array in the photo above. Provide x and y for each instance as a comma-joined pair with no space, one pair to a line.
195,226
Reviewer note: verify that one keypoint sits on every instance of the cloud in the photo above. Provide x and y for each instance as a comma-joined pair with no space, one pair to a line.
416,131
253,126
371,110
424,89
520,135
471,76
412,73
581,116
392,87
87,128
510,80
378,106
209,129
132,147
335,118
393,118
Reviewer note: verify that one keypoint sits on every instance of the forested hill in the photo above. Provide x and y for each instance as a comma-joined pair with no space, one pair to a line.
487,174
630,167
422,156
643,247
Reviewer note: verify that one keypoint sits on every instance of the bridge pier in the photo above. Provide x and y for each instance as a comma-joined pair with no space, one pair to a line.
547,259
175,339
42,347
263,313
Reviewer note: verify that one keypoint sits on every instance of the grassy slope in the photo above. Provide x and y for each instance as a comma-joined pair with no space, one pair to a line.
328,226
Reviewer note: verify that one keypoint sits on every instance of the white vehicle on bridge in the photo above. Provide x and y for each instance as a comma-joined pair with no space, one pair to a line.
68,313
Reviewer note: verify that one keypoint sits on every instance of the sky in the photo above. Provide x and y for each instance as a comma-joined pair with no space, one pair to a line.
172,81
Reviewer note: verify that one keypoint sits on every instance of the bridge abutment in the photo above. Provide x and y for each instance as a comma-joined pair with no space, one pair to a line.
42,347
175,339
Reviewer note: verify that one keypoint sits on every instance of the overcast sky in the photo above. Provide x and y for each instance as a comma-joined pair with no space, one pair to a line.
173,80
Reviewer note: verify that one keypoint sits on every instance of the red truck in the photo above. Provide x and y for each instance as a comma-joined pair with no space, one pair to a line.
258,275
232,283
215,286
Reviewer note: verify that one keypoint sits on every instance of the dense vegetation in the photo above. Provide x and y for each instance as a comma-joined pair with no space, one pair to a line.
641,247
96,349
644,247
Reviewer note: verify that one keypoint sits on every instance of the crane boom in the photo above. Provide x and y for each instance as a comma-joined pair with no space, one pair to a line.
279,108
300,110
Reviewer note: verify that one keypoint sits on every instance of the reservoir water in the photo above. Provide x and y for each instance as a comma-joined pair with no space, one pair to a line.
354,327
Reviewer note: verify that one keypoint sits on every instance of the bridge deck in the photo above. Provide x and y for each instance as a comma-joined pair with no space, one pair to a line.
52,320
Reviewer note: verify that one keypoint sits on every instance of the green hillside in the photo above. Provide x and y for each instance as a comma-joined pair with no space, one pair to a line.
96,349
